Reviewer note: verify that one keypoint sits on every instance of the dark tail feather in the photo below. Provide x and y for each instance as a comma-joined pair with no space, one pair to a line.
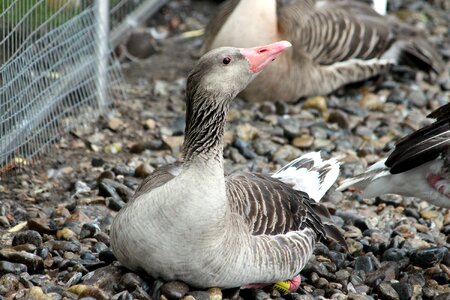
330,229
416,52
334,234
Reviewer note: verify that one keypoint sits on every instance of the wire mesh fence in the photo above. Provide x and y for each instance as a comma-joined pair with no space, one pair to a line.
56,70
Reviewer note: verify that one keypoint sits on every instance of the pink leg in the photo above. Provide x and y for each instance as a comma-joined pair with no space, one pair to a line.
288,286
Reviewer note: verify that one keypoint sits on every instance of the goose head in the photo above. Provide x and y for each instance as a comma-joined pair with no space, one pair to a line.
226,71
214,82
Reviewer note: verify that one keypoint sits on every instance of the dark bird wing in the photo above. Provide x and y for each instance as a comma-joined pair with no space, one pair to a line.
423,145
271,207
337,31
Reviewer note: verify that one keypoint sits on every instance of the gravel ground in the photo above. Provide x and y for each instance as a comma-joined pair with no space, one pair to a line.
55,217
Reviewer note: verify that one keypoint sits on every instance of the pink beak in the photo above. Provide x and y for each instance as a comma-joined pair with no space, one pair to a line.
259,57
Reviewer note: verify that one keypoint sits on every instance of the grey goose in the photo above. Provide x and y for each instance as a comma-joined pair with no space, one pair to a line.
188,221
335,43
418,166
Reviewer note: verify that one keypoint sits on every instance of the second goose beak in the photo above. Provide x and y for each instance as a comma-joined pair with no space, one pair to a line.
259,57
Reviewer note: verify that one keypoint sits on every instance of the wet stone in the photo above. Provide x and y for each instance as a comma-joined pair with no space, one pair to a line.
281,108
89,230
42,252
155,290
215,294
108,174
63,246
99,247
40,279
410,212
339,117
265,147
115,204
393,254
338,258
174,290
74,279
387,292
107,256
33,262
25,247
124,170
125,295
404,290
66,234
199,295
291,128
97,162
8,283
87,255
130,281
7,267
426,258
143,170
244,148
27,237
42,225
417,98
114,189
364,263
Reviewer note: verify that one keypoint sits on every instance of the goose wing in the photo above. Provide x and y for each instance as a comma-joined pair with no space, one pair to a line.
423,145
272,207
336,31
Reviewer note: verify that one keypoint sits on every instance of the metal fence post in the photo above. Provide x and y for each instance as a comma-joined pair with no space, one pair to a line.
103,50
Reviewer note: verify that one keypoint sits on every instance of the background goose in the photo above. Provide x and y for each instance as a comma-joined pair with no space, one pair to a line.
189,222
419,165
335,43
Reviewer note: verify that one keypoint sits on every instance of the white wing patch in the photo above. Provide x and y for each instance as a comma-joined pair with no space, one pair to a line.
310,174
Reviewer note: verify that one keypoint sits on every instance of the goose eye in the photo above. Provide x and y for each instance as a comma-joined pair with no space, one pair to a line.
226,60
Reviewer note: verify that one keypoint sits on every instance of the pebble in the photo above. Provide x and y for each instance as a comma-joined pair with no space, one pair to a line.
114,189
33,262
174,290
199,295
319,103
7,267
285,154
63,246
130,281
428,257
244,148
143,170
304,141
66,234
417,98
27,237
246,132
387,292
89,230
42,225
174,143
364,263
372,102
215,294
8,282
340,117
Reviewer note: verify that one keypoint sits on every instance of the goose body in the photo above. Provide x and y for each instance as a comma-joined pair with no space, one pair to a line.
418,166
335,43
189,222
